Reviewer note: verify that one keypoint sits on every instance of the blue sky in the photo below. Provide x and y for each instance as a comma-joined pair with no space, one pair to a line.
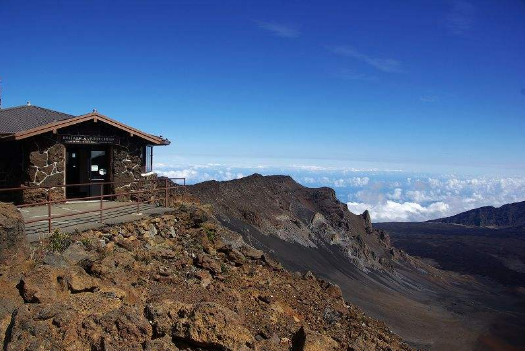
422,87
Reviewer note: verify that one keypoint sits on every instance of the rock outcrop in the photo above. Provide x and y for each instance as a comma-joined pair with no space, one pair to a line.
176,282
13,242
312,217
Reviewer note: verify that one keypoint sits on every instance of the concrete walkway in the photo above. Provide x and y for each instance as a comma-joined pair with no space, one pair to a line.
84,221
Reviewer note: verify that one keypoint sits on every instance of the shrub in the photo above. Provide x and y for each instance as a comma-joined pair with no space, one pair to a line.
211,231
59,241
87,243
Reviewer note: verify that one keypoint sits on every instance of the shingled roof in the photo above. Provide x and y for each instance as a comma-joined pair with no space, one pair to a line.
17,123
20,118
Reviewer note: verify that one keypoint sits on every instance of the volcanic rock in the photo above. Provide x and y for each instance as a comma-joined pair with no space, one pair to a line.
13,243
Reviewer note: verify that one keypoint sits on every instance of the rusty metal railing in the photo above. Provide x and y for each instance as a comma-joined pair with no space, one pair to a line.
169,184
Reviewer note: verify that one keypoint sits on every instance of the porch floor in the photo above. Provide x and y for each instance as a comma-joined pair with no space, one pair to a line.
84,221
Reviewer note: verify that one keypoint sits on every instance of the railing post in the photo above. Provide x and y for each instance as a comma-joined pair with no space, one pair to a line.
138,200
49,210
101,203
166,192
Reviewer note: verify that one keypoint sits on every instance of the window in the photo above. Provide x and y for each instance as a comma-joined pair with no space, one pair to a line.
148,159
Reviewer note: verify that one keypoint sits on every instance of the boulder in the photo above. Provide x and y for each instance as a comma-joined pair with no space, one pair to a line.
334,291
251,253
55,259
76,253
10,300
332,316
14,246
84,321
161,344
206,262
305,340
215,326
206,325
47,284
43,284
125,328
204,277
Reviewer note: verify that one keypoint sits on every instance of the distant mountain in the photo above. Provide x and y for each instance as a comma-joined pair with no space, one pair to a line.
510,215
309,229
281,207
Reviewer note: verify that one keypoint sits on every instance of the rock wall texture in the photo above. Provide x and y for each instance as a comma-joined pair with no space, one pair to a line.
13,243
128,167
45,168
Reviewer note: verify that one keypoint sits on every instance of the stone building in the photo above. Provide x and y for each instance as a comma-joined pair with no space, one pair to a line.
41,148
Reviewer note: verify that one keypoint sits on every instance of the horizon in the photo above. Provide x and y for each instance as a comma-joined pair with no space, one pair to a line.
433,90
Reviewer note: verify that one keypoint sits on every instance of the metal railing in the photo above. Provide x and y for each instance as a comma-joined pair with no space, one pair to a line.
169,184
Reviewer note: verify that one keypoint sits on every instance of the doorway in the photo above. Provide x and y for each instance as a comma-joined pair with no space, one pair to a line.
87,164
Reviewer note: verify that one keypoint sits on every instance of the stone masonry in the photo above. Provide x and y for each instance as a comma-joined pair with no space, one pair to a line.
46,168
128,167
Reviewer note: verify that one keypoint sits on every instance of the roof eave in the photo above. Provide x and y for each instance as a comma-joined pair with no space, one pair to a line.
95,116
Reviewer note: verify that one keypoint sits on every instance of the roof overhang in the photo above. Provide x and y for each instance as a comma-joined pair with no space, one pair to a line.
93,116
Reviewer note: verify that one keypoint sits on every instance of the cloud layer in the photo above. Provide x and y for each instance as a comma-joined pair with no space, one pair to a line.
389,195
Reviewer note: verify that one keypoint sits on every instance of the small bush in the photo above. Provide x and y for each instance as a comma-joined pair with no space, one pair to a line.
224,268
211,231
87,243
59,241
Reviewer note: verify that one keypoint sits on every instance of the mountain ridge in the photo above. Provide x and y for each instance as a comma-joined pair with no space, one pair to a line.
309,229
508,215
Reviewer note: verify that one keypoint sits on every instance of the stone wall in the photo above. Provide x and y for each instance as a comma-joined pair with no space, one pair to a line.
128,167
45,168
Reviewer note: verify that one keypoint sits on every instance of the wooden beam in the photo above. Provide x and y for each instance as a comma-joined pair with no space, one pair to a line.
53,127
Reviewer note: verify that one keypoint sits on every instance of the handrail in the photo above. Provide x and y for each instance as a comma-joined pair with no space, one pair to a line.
84,184
168,185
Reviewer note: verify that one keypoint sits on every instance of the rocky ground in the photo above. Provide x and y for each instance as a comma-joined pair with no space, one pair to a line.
177,282
309,229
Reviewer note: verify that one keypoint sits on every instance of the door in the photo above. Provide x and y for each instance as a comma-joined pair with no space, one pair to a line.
75,172
86,164
98,170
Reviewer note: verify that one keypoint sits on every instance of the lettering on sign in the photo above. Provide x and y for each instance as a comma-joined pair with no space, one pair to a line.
89,139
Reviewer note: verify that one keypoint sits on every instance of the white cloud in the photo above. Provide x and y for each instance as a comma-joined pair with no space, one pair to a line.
358,207
391,211
279,29
396,195
389,195
185,173
349,182
382,64
420,199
